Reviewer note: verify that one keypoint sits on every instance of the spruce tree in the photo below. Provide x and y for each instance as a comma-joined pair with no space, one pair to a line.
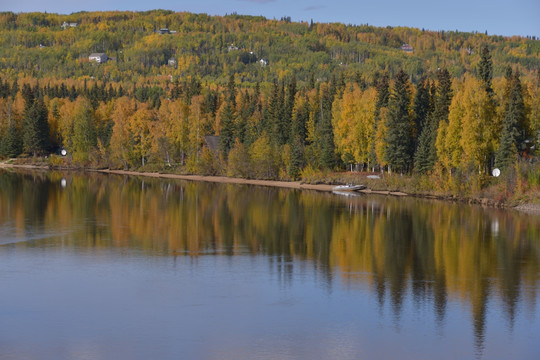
84,130
399,141
276,125
421,108
11,144
326,131
513,132
288,109
297,157
485,69
231,91
300,120
422,162
227,130
14,89
426,153
35,126
282,121
244,113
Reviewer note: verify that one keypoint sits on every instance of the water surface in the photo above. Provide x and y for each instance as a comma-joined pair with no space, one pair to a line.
112,267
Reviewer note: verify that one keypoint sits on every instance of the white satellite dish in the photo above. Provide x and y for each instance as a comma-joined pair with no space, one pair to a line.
496,172
63,152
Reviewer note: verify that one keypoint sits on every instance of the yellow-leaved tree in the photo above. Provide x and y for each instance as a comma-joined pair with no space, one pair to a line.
353,117
480,127
380,138
178,127
534,113
448,144
121,140
140,128
363,131
344,119
197,125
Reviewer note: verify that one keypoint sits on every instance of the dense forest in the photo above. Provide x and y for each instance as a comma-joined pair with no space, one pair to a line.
254,97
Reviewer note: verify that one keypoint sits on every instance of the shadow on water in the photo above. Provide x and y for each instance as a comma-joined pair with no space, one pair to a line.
428,251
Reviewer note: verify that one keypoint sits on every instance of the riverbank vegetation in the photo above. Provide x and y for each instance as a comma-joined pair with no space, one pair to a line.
432,112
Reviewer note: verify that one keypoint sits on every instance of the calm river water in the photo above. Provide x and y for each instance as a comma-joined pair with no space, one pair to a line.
111,267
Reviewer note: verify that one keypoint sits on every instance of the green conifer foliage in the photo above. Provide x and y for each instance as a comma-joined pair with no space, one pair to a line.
227,130
11,144
84,130
399,141
421,108
35,131
514,129
426,153
326,131
297,158
485,69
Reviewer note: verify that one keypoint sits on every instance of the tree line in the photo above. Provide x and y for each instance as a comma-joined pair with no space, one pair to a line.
441,125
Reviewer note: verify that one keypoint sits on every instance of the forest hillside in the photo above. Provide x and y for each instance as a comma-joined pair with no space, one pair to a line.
253,97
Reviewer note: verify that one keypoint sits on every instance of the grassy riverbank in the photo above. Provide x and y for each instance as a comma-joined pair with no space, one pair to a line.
519,189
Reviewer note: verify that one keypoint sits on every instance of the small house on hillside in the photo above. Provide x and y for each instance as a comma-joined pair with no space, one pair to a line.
232,47
263,62
407,48
171,62
66,25
164,31
212,142
98,57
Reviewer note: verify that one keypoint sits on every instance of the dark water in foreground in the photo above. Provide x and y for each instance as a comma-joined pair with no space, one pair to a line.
111,267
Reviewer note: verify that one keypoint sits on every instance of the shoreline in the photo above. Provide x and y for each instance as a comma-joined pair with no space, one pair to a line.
215,179
526,208
241,181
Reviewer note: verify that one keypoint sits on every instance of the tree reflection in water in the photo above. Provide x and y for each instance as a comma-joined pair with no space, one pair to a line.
429,251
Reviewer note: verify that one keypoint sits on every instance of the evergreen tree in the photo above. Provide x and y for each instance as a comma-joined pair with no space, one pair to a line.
421,108
513,131
231,91
11,144
426,152
28,96
288,109
227,130
73,93
64,93
311,83
297,158
84,130
360,81
399,134
283,122
14,89
485,69
244,112
326,132
426,145
300,119
277,128
35,131
485,73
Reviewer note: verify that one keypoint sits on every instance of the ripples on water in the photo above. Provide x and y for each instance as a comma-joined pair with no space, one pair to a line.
113,267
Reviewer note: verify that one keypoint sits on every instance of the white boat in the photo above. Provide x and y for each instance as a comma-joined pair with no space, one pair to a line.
349,187
346,193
